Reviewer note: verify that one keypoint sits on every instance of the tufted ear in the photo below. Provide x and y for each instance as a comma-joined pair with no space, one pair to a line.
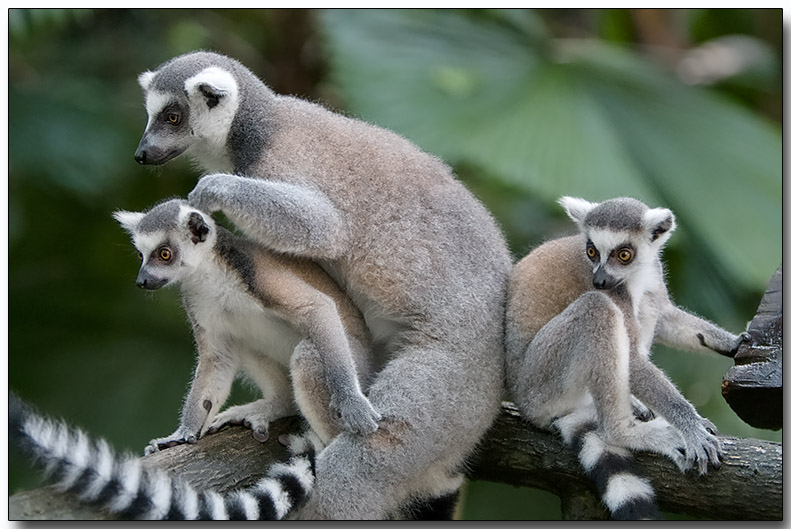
211,84
576,208
145,78
128,219
660,223
197,226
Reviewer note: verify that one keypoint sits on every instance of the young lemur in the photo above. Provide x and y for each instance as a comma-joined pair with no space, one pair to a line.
280,320
421,257
582,314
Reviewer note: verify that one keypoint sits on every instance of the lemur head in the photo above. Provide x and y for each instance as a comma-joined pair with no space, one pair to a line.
625,237
191,102
172,239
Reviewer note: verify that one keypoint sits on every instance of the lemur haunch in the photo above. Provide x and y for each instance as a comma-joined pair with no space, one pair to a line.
122,485
281,321
420,256
582,314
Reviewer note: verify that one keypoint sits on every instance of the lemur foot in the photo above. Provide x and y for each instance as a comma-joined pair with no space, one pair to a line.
176,438
702,447
255,416
356,413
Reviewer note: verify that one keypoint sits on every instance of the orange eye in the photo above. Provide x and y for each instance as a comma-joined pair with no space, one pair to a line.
165,254
591,252
140,256
174,118
624,255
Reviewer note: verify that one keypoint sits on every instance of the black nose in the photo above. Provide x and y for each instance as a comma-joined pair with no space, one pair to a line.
600,284
140,157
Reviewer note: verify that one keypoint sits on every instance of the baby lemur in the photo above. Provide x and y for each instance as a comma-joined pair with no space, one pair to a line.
280,320
582,314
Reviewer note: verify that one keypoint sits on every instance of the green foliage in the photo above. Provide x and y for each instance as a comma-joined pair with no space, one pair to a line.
568,116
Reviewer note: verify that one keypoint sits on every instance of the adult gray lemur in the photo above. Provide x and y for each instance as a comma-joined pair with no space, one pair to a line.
417,253
583,312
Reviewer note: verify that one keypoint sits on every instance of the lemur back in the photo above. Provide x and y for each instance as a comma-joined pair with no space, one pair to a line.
582,314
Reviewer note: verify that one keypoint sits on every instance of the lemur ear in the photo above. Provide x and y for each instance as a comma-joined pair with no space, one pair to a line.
197,226
128,219
660,223
211,84
144,79
576,208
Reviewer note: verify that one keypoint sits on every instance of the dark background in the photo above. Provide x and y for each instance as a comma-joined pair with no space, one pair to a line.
680,108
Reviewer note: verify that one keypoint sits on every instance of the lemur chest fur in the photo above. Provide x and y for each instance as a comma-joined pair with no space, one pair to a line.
235,318
640,311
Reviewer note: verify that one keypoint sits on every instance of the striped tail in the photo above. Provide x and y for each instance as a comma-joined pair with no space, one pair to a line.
120,484
625,493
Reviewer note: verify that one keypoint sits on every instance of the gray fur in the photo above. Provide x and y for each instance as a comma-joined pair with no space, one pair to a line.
260,314
577,349
418,254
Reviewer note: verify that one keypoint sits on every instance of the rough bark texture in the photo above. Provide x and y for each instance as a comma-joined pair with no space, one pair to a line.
754,386
748,486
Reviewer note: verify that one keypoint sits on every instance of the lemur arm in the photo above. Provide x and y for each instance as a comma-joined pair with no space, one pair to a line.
208,391
284,217
681,330
650,384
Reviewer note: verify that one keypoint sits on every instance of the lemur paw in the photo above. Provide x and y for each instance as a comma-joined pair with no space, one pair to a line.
176,438
206,194
356,413
640,411
252,415
702,447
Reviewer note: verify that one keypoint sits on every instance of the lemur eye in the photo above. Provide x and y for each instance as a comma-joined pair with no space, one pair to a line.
140,255
174,118
624,255
165,254
591,251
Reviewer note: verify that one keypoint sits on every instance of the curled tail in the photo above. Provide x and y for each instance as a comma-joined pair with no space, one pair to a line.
625,493
120,484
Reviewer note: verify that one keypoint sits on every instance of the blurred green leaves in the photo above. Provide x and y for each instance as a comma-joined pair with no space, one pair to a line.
562,116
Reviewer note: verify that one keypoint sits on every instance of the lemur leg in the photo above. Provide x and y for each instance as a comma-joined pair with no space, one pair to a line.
585,351
333,367
285,217
209,389
653,387
364,477
276,403
681,330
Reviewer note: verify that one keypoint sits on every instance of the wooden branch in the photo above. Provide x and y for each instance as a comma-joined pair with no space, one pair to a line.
748,486
753,387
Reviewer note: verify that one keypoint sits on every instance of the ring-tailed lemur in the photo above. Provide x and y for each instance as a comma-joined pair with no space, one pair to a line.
582,314
279,320
120,484
417,253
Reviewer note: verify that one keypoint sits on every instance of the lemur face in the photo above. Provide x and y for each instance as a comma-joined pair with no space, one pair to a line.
172,240
186,112
624,237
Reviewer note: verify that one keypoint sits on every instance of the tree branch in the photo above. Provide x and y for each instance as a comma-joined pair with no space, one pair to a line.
748,486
